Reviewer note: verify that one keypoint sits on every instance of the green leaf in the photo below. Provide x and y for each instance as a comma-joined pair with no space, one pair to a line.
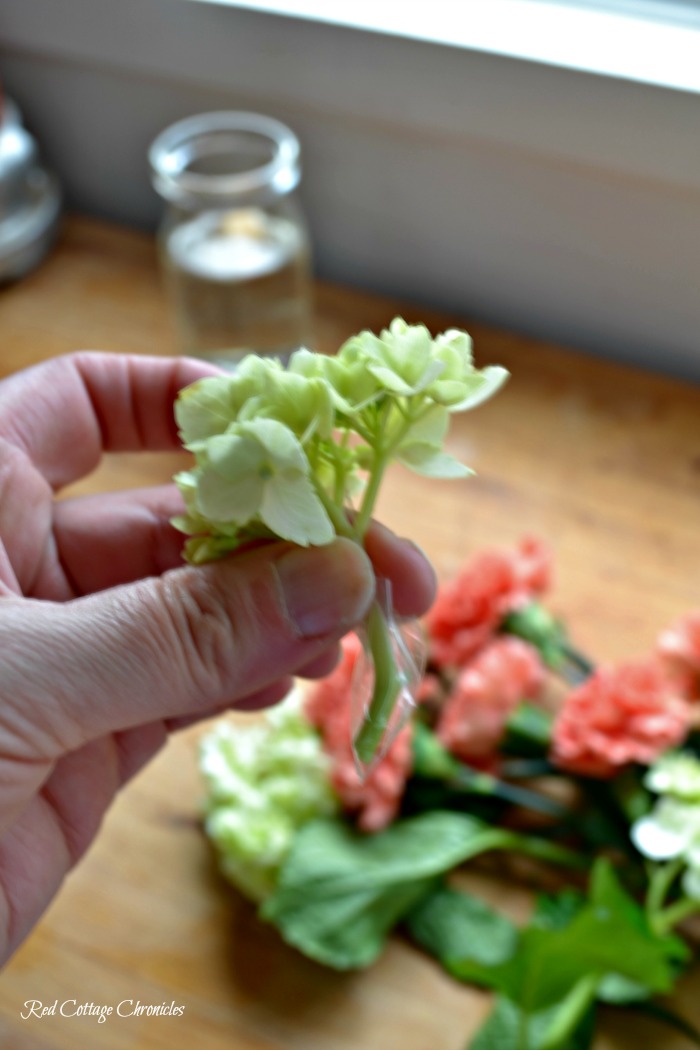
621,990
554,911
451,924
502,1029
508,1028
340,892
559,969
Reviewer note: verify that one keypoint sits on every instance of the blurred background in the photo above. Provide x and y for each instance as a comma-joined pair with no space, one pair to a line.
531,164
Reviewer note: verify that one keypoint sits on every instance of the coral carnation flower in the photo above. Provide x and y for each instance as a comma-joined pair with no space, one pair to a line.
619,715
468,609
473,720
679,649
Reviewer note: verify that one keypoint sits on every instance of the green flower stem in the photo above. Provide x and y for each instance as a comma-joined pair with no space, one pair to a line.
578,660
340,523
370,496
660,883
665,920
387,683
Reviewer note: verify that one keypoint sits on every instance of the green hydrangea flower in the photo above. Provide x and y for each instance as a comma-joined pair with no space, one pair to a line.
258,469
264,781
672,829
676,773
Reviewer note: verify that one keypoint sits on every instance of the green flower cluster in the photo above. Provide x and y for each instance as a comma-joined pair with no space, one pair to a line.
284,452
671,831
265,780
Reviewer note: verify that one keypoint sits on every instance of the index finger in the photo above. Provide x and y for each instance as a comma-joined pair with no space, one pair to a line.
64,413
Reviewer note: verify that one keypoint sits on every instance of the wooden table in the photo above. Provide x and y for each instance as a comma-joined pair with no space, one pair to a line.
602,460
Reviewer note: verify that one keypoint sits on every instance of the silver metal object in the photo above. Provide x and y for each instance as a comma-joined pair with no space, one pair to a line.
30,199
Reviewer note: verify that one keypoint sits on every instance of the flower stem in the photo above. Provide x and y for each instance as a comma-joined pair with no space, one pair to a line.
340,523
387,683
660,883
665,920
370,496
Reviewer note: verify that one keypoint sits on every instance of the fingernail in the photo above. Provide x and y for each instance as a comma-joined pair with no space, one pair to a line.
326,590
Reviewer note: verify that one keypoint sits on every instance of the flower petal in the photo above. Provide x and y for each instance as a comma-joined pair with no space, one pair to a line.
432,463
291,508
220,499
655,840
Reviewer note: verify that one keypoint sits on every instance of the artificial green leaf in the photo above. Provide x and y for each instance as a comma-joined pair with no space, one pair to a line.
553,911
608,935
452,924
621,990
508,1028
340,893
502,1029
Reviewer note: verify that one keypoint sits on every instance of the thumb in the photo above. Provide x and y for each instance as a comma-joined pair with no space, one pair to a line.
182,643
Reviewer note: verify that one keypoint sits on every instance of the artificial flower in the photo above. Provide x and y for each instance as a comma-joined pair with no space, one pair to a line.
209,406
460,385
265,780
401,359
474,716
258,469
619,715
676,773
469,609
672,829
679,648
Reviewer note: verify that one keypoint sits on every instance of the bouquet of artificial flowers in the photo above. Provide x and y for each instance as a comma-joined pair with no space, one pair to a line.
517,744
345,811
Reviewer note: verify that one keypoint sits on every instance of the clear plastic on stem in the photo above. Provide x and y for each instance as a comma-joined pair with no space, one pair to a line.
376,720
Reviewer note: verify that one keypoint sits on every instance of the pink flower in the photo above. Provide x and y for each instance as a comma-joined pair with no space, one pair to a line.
377,798
619,715
473,719
679,649
469,608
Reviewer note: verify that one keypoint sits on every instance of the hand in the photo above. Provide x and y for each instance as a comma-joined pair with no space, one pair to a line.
106,640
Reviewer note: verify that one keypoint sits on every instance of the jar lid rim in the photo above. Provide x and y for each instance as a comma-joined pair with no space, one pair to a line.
168,158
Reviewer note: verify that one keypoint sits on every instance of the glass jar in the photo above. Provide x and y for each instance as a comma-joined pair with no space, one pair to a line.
233,242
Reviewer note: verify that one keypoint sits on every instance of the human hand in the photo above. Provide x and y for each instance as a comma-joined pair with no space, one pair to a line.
107,641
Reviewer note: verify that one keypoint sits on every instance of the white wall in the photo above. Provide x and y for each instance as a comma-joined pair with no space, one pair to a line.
541,199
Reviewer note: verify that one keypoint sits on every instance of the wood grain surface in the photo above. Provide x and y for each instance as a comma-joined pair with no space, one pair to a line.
602,460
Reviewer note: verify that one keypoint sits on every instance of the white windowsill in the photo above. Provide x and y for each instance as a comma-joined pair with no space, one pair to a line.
650,42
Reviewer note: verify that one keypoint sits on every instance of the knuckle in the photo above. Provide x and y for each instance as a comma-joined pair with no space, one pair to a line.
204,630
